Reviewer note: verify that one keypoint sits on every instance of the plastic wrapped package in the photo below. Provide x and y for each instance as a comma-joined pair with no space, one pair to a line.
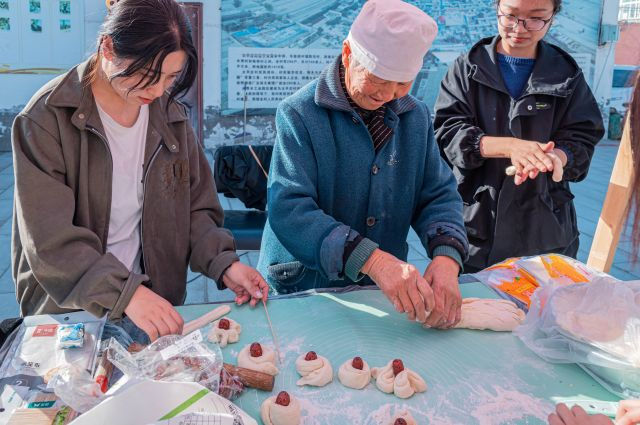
596,325
556,269
516,279
32,357
511,281
71,336
171,358
36,352
76,388
230,386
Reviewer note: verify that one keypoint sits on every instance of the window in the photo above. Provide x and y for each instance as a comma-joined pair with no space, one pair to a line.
624,77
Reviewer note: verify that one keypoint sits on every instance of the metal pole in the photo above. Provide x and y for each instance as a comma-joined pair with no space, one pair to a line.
244,122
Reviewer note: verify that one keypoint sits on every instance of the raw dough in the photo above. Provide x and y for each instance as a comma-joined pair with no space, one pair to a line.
403,385
354,378
491,314
275,414
316,372
266,363
403,414
225,336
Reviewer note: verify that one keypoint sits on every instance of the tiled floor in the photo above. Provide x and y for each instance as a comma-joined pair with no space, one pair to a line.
589,197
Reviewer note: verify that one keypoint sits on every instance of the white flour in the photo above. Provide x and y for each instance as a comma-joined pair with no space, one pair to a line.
505,405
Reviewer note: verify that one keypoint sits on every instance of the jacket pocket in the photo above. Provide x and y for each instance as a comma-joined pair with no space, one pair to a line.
478,215
558,201
287,274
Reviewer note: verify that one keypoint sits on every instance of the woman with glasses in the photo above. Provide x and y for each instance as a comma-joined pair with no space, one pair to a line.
516,104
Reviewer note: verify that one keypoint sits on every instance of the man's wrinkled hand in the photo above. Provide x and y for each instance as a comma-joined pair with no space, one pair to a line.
401,283
442,276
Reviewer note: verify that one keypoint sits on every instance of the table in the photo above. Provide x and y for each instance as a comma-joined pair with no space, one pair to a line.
474,377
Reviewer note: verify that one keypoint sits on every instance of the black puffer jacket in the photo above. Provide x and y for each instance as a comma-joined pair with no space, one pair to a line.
238,175
503,220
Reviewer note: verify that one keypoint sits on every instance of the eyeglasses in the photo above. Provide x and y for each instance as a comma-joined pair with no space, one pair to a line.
530,24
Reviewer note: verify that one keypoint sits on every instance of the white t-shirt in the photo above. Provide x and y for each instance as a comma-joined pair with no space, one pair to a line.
127,152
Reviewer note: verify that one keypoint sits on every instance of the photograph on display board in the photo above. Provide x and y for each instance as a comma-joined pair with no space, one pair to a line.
36,25
253,31
5,24
34,6
4,5
270,50
65,24
65,7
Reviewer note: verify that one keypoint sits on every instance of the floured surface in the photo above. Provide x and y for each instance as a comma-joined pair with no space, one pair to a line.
474,377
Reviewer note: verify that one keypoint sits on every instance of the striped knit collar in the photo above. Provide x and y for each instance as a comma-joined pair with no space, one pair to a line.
365,114
329,93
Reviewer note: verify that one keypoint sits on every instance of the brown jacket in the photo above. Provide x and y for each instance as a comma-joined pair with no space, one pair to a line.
63,175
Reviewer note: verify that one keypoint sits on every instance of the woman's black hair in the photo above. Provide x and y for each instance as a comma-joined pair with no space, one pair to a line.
145,32
557,5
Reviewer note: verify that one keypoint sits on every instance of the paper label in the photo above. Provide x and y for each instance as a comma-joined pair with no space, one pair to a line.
45,330
184,344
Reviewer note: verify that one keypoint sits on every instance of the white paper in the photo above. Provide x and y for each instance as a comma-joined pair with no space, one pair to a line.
150,402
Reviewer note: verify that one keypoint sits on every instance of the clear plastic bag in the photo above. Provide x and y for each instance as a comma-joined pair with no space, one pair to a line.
171,358
76,388
35,350
596,325
516,279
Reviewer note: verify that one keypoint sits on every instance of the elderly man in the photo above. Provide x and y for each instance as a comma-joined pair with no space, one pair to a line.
355,164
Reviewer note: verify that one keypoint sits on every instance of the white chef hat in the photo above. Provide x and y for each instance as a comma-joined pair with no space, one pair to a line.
390,38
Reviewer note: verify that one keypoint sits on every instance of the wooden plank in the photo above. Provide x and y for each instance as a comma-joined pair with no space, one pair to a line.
615,207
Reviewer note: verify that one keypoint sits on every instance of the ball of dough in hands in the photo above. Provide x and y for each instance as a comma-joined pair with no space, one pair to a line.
394,378
225,331
314,369
491,314
259,358
281,410
355,373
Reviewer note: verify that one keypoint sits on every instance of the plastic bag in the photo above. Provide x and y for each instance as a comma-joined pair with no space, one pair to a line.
516,279
596,325
171,358
76,388
230,386
35,351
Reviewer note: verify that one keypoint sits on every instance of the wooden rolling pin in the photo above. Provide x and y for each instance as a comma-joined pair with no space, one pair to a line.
251,378
205,319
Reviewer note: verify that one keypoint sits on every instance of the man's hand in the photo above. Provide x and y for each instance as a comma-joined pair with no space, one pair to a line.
442,276
628,412
401,283
576,416
246,282
153,314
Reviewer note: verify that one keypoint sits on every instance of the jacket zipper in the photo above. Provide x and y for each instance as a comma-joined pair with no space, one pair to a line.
144,192
144,196
105,236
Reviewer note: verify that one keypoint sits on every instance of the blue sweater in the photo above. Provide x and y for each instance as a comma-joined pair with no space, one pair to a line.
515,73
327,184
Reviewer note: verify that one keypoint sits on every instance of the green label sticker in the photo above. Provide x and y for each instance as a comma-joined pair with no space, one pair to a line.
41,404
